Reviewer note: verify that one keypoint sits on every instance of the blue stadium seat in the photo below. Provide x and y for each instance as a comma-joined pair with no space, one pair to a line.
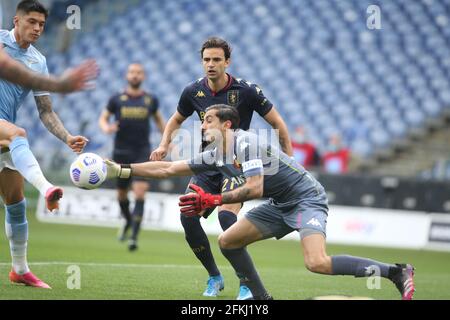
315,60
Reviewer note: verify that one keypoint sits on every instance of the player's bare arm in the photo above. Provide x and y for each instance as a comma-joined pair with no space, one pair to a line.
50,119
54,125
154,169
78,78
252,189
173,124
104,124
277,122
73,80
159,120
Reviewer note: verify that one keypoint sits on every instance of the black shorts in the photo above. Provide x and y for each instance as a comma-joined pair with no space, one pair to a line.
130,156
214,183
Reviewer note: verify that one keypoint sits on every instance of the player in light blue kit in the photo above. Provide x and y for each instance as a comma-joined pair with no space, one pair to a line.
16,159
297,201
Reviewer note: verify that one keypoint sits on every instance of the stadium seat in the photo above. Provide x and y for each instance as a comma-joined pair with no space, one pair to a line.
315,60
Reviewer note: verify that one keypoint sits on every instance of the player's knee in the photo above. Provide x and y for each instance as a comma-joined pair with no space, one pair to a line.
139,191
225,242
316,263
140,197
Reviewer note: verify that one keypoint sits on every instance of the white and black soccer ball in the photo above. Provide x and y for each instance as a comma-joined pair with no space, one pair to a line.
88,171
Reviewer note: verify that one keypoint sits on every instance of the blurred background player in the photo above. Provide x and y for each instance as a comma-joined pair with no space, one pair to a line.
305,152
16,159
218,87
132,110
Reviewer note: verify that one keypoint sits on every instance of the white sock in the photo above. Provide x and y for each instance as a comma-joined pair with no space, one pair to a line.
40,183
19,260
25,162
16,227
18,247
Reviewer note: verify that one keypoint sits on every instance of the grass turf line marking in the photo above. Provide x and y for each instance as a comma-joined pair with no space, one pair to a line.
115,265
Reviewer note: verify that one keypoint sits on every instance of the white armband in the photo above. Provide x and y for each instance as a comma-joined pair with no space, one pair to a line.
252,164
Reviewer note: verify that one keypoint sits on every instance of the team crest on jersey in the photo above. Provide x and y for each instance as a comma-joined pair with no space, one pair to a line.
233,98
147,100
123,97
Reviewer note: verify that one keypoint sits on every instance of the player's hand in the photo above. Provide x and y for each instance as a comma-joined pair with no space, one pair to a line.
115,170
158,154
192,204
77,143
112,128
112,169
78,78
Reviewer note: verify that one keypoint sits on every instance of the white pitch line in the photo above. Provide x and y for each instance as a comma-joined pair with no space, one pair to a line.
114,265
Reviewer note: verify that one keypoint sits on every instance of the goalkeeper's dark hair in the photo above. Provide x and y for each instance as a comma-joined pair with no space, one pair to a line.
27,6
225,112
216,42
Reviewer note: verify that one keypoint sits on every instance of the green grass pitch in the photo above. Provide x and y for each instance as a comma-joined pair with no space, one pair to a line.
164,267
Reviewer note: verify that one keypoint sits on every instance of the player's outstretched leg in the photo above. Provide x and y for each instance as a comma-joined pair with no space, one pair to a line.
198,241
400,274
403,280
16,226
316,260
25,162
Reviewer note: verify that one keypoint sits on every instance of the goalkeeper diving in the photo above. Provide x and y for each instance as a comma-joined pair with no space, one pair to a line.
296,201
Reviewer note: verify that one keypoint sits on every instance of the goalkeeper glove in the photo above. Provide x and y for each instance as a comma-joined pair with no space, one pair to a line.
115,170
193,203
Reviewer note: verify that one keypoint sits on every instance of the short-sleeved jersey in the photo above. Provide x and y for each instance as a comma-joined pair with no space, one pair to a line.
285,181
245,96
133,114
13,95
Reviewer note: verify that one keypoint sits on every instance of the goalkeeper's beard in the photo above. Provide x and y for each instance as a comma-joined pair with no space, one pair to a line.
214,137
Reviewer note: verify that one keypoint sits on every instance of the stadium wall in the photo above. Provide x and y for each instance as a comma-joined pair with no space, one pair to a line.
346,225
387,192
358,190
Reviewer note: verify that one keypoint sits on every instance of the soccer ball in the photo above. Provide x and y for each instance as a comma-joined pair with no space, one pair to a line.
88,171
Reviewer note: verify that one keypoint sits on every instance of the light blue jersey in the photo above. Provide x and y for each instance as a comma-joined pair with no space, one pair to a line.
12,95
